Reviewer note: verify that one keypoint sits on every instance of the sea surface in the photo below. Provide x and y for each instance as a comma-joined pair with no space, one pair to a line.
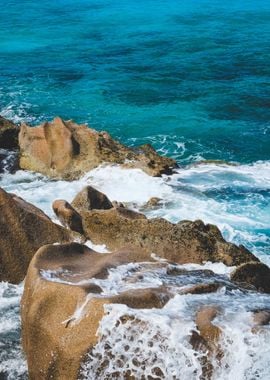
191,77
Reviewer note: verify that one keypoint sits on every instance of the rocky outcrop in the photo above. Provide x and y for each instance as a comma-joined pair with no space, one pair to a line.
63,149
23,229
255,275
184,242
60,320
67,215
91,199
8,134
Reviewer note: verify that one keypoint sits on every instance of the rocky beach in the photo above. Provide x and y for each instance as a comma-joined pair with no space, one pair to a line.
111,291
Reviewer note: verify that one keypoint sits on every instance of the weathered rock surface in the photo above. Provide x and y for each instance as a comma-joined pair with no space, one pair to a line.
67,215
55,338
91,199
23,229
184,242
8,134
63,149
254,274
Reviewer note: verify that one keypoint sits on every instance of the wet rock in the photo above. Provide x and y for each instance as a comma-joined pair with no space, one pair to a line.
184,242
204,322
23,229
67,215
8,134
55,336
253,274
153,203
261,317
202,288
91,199
117,204
206,339
63,149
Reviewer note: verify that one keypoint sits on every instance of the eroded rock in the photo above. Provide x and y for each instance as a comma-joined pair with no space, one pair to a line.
67,215
60,320
23,229
184,242
63,149
91,199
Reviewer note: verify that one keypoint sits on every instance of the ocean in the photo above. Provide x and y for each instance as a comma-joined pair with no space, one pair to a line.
191,77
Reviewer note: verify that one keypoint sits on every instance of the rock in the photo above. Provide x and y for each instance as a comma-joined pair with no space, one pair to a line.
91,199
202,288
63,149
254,274
56,337
117,204
184,242
261,317
23,229
206,339
67,215
204,321
152,203
8,134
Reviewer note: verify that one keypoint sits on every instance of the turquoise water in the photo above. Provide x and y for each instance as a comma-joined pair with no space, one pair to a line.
195,71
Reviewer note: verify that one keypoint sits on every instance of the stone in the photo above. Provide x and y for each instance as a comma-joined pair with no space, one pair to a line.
91,199
56,337
67,215
253,274
152,203
63,149
184,242
8,134
23,229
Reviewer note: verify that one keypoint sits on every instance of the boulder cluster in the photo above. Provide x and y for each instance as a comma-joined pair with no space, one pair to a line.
62,304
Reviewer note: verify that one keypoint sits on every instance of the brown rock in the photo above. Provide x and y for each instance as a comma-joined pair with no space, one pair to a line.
67,215
184,242
202,288
63,149
8,134
91,199
152,203
261,317
254,274
207,329
23,229
55,339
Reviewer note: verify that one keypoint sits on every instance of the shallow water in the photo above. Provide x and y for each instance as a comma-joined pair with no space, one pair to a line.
190,77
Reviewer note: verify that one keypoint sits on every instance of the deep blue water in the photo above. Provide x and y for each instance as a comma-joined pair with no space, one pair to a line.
195,71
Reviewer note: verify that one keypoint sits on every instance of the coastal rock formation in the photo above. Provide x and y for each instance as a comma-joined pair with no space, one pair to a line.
60,320
8,134
67,215
63,149
184,242
254,274
91,199
23,229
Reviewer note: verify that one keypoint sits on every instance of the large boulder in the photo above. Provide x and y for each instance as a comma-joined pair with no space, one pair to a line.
63,149
23,229
61,315
254,275
8,134
184,242
91,199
